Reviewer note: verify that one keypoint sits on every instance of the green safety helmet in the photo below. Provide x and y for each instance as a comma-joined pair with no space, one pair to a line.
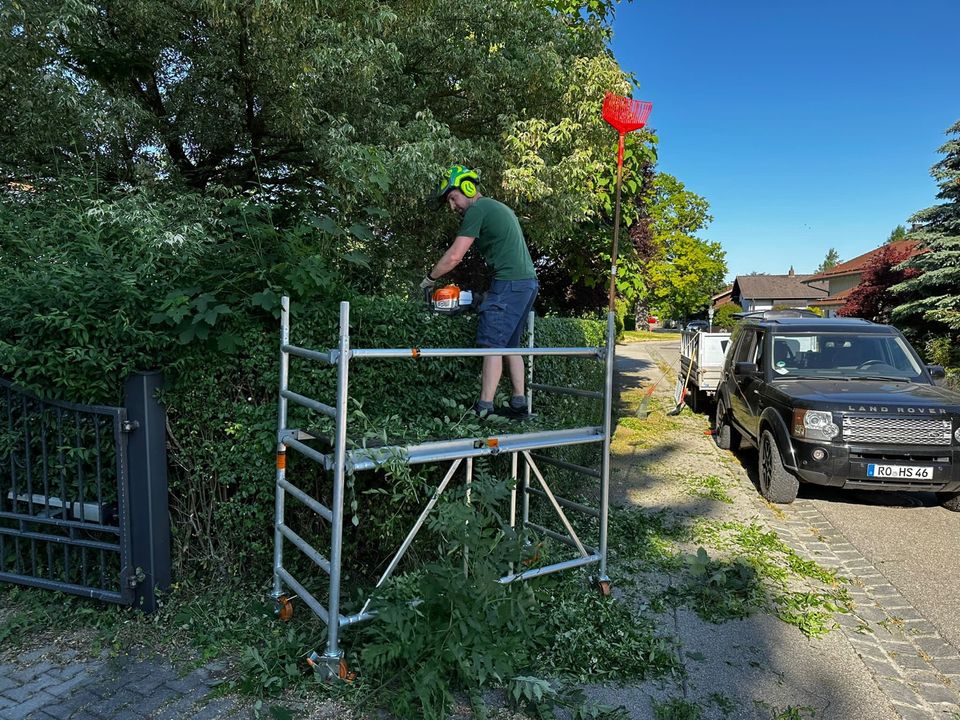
460,178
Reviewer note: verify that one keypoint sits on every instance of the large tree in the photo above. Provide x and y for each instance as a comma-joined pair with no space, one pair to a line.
933,295
684,271
897,234
335,113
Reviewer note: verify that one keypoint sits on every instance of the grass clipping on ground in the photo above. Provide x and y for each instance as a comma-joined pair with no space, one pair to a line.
722,567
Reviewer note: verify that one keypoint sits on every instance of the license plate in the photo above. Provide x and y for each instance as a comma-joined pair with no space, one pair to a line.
900,472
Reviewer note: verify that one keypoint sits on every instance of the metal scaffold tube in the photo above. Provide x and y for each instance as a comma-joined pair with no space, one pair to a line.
334,654
279,499
342,461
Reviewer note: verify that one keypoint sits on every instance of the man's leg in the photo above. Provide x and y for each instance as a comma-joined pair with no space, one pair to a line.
517,374
492,370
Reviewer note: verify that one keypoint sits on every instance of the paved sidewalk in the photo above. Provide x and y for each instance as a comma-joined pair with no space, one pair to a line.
50,684
909,660
885,661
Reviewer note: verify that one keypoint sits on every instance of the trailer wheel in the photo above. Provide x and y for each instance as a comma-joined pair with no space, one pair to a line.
723,433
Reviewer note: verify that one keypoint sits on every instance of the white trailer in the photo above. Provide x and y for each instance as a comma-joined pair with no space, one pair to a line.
701,360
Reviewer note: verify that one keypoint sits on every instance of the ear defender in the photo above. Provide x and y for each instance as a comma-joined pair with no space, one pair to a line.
458,178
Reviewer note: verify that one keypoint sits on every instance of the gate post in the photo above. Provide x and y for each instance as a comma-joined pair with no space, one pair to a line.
147,483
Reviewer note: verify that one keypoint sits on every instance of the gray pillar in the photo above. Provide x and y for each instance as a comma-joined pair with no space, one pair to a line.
147,478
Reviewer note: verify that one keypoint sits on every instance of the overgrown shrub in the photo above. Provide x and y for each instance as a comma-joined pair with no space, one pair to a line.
943,351
723,318
94,288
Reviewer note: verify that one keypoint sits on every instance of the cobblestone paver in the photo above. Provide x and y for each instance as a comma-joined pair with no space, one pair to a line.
914,666
49,684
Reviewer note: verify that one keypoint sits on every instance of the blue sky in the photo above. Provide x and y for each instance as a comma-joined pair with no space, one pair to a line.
806,125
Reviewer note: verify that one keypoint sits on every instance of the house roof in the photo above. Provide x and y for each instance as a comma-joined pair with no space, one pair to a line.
857,264
778,287
727,291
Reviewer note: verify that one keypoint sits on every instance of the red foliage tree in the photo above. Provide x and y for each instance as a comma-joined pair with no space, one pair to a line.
871,299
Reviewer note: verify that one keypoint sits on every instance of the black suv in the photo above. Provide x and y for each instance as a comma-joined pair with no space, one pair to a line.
841,402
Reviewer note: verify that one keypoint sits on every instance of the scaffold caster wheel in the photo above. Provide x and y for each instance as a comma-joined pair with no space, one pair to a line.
326,669
534,556
604,587
283,608
344,673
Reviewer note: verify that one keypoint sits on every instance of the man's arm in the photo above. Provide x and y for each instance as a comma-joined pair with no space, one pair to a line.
452,257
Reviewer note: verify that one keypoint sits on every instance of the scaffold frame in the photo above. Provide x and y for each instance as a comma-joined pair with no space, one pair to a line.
458,452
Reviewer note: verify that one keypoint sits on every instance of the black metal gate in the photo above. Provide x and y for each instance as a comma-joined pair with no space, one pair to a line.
66,497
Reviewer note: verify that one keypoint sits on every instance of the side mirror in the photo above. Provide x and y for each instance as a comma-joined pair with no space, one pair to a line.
745,367
936,372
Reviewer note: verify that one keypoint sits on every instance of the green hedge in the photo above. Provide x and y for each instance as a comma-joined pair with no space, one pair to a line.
93,289
223,417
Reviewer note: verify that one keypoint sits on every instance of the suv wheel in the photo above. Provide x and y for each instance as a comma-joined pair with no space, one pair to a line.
723,433
949,500
776,484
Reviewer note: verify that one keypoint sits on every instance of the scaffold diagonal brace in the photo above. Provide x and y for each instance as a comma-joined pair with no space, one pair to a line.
408,540
556,505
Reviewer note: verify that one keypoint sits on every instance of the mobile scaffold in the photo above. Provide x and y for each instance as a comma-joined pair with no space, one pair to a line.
521,447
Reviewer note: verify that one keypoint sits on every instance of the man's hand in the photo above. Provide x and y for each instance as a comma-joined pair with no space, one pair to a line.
427,283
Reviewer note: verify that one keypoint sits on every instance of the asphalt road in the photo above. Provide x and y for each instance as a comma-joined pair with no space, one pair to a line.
913,541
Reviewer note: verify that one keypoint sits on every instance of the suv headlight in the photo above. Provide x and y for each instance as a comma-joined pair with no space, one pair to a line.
956,434
814,425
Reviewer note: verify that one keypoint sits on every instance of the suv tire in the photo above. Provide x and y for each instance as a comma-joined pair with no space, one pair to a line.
776,484
949,500
726,437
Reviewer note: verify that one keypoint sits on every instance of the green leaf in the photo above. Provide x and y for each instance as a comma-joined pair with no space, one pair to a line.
266,299
355,257
328,225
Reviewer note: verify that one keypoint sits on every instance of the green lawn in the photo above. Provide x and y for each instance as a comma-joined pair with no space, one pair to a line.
633,336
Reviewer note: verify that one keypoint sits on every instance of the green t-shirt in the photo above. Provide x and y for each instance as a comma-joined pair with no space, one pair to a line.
498,238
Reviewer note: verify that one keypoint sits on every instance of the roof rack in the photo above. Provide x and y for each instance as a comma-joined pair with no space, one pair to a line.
774,314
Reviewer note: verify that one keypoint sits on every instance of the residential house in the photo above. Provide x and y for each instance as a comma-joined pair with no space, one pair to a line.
765,292
724,297
843,278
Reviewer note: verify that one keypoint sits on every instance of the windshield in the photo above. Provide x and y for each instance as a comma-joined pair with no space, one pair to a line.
845,355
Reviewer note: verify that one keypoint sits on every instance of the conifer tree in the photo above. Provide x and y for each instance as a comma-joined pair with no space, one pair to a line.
931,300
897,234
831,260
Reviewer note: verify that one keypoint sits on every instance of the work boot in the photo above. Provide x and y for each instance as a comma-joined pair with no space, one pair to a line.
511,412
482,411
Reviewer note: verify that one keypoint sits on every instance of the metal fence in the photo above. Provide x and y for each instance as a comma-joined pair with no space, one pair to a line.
83,495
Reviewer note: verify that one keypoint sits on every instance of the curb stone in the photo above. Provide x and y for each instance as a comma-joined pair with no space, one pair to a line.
910,661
